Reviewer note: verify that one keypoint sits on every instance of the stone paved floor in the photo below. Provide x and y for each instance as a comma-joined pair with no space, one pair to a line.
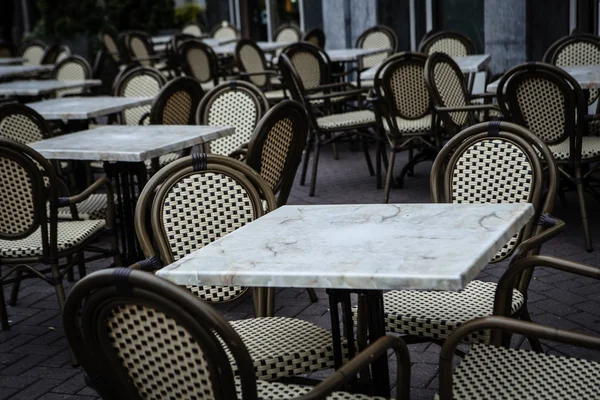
33,355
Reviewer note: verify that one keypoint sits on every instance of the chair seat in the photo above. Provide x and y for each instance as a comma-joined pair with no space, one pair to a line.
489,372
333,100
283,391
435,314
283,347
594,128
275,94
408,126
94,207
70,234
349,120
590,148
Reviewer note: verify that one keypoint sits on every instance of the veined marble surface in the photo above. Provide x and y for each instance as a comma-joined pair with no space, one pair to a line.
467,64
127,143
11,60
368,246
588,77
83,108
35,88
9,71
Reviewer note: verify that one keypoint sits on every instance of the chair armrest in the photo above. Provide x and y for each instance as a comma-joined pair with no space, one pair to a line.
473,107
93,188
552,227
330,86
143,118
504,324
349,371
274,73
348,93
149,264
483,95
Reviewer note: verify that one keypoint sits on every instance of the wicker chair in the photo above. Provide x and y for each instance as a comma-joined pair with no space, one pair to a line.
198,60
32,51
287,33
326,129
111,46
192,29
52,52
453,44
111,316
252,64
29,227
138,82
73,68
7,49
495,162
140,50
486,369
316,37
377,37
405,112
238,104
550,103
225,32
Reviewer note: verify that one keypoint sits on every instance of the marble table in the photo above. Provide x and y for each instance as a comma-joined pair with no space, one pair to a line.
40,87
11,60
11,71
588,77
124,150
267,47
346,55
363,248
85,108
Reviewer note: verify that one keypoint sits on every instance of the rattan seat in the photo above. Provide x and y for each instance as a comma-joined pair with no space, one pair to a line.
282,391
349,120
590,148
70,234
94,207
407,126
490,372
435,314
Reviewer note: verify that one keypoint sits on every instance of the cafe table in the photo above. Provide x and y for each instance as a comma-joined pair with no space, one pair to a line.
267,47
361,248
588,77
35,88
124,150
12,71
11,60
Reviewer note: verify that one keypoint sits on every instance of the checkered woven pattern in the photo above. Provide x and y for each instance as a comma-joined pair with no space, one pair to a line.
71,71
450,46
449,86
349,120
178,109
408,126
17,210
288,35
282,391
111,47
139,86
94,207
139,50
409,90
33,55
162,359
275,151
200,209
70,234
225,33
494,373
436,314
543,107
234,108
594,128
493,171
283,347
375,40
252,62
308,68
580,53
590,148
20,128
199,62
192,29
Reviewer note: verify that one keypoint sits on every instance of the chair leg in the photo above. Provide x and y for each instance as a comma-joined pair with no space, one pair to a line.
411,152
3,312
114,247
60,297
336,153
388,177
313,179
378,161
14,294
306,157
365,147
313,295
81,265
582,209
535,343
70,276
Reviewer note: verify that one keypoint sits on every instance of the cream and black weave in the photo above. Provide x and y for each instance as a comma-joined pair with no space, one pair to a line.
16,199
409,91
178,109
71,71
449,86
590,148
579,53
139,50
349,120
94,207
408,126
450,46
252,62
375,40
199,63
33,55
20,128
141,85
283,391
308,68
275,151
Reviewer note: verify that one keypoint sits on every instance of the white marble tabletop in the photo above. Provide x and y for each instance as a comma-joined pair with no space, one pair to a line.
467,64
163,39
10,71
38,87
343,55
264,46
369,246
11,60
127,143
588,77
83,108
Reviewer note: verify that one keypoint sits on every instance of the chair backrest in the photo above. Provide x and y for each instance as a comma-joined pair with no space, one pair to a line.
192,29
51,53
377,37
177,102
250,58
22,124
287,33
138,336
33,51
225,31
295,86
138,82
235,103
276,146
315,37
110,45
63,52
545,100
453,44
311,63
400,87
73,68
139,47
7,49
448,88
199,61
496,162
